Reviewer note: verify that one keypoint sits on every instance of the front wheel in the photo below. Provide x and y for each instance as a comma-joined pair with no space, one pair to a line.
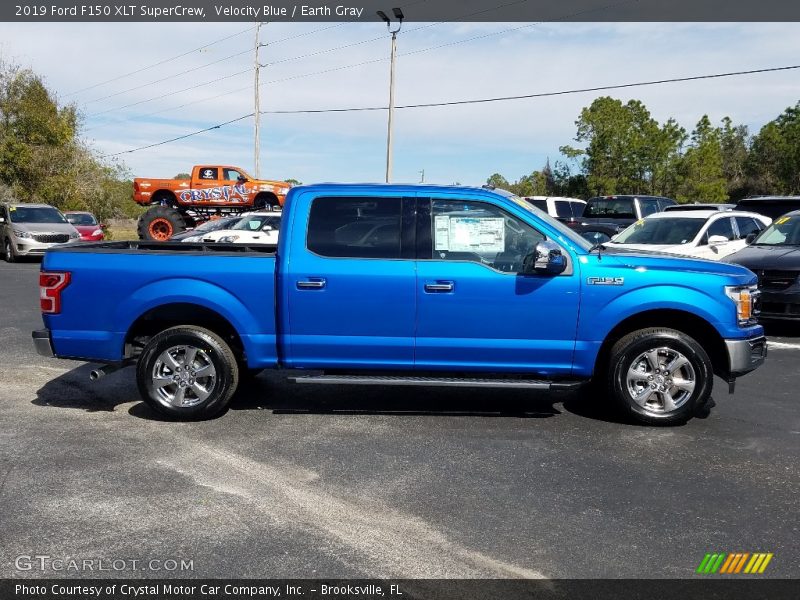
659,376
8,251
187,372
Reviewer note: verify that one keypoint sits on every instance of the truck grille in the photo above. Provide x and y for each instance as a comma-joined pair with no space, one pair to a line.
776,280
51,238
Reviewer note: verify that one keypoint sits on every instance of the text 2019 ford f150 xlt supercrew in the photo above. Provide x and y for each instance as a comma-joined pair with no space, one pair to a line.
405,285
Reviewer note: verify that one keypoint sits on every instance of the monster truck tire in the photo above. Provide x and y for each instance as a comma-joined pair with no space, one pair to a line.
160,223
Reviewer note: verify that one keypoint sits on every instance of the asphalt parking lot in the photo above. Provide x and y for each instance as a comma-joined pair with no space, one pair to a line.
395,482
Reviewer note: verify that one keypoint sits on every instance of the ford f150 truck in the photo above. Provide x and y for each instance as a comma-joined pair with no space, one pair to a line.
211,190
405,285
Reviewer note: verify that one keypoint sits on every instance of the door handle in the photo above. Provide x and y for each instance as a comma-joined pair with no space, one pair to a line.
439,286
312,283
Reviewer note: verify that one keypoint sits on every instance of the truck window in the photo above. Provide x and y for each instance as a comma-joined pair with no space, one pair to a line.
208,173
620,208
747,225
355,227
648,206
563,208
541,204
231,174
722,227
481,233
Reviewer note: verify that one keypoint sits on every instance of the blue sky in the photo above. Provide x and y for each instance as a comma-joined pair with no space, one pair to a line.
464,144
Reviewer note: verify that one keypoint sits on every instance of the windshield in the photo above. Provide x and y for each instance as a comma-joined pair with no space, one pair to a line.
621,208
666,231
81,219
35,214
565,233
217,224
785,231
258,223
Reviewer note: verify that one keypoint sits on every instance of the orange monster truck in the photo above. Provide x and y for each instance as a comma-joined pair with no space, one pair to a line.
178,204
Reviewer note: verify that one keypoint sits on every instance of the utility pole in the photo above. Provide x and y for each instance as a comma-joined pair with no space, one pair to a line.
422,176
399,16
257,109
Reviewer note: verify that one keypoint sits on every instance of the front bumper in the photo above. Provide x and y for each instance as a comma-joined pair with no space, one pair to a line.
780,305
32,247
746,355
43,343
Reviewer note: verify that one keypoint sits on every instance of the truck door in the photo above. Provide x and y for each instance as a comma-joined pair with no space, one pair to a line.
350,283
475,310
206,180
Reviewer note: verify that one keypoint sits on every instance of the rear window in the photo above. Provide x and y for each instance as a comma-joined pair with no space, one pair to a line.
540,204
621,208
563,208
648,205
355,227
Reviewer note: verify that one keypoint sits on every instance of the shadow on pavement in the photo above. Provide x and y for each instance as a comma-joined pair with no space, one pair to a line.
271,392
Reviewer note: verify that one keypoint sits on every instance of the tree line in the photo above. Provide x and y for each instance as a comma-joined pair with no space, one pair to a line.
624,150
43,157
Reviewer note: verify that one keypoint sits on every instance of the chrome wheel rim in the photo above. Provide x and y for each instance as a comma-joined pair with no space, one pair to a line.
661,380
182,376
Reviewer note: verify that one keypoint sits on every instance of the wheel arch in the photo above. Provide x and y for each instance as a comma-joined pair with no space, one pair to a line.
265,199
680,320
163,192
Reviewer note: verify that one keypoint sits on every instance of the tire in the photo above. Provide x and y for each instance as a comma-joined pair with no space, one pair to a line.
8,251
659,376
160,223
264,201
188,395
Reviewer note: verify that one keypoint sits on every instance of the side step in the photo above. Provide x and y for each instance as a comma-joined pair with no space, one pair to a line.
530,384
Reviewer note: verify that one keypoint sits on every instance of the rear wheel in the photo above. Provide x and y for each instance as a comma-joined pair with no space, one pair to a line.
160,223
265,201
659,376
187,372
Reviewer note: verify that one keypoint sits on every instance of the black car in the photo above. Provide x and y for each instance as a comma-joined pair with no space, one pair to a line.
605,216
769,206
774,256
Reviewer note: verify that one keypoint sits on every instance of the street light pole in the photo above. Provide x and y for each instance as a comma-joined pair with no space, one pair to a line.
389,132
257,107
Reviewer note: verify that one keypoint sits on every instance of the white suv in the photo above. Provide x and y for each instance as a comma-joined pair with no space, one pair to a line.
559,207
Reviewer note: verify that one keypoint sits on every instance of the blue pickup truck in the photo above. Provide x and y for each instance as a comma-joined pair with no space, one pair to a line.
405,285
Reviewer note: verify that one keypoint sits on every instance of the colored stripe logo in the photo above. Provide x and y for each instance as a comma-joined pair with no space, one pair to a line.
734,563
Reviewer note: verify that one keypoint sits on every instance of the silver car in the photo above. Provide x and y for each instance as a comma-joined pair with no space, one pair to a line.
30,229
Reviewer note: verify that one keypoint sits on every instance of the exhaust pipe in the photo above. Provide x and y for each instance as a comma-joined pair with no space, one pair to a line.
101,372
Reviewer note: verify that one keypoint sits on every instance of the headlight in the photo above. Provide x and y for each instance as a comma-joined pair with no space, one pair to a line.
21,234
745,298
228,239
74,236
97,232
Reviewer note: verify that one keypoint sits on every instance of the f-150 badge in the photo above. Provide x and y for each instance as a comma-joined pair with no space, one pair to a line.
605,280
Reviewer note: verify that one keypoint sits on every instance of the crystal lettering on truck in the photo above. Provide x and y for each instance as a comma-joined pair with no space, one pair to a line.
232,193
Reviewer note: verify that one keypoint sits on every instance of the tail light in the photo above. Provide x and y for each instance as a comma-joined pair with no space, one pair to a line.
50,288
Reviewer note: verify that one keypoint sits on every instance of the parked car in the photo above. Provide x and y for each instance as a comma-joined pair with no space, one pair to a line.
86,224
605,216
563,209
710,234
255,228
196,234
30,229
442,286
774,256
699,206
770,206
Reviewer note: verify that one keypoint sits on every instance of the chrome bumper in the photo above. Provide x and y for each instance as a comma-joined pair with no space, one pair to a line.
42,342
746,355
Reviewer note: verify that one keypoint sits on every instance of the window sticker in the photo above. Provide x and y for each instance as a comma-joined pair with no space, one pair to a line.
783,220
469,234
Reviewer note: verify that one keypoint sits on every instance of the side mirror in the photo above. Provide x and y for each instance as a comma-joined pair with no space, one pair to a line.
751,237
716,240
546,259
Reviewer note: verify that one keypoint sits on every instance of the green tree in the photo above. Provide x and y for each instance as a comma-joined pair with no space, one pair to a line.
702,166
183,176
498,181
774,161
734,141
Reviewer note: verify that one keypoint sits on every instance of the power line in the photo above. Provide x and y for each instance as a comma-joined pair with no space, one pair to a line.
349,66
159,63
475,100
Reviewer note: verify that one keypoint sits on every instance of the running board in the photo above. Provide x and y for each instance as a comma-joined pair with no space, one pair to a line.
530,384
